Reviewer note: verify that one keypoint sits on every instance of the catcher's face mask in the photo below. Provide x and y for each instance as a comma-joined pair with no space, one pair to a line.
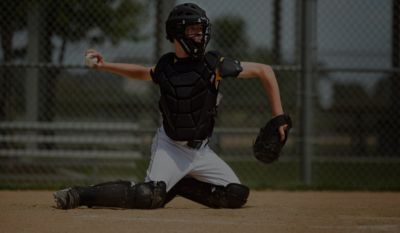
194,32
189,25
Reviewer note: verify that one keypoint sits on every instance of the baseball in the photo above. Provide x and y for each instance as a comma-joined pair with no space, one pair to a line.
90,60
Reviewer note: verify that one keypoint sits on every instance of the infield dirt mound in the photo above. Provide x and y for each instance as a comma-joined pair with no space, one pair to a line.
266,211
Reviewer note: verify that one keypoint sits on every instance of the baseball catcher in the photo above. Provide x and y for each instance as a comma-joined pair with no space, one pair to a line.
181,162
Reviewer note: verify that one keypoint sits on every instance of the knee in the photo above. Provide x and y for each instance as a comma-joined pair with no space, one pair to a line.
149,195
235,195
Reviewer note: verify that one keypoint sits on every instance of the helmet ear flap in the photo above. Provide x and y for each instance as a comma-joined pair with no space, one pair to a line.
174,29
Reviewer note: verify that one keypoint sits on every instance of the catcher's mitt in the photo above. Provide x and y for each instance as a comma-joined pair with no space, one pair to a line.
268,144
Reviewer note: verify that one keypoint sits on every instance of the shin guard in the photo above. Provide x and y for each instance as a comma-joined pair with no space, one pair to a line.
124,194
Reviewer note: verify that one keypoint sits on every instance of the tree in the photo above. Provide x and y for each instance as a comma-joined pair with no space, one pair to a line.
12,19
229,36
71,21
75,20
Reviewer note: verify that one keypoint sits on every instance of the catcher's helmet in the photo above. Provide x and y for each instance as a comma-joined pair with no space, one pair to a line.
182,16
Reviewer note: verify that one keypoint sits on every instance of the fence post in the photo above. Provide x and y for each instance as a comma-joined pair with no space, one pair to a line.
277,31
162,45
308,57
389,143
34,56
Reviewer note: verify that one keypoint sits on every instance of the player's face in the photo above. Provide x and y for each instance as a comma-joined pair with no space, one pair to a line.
194,32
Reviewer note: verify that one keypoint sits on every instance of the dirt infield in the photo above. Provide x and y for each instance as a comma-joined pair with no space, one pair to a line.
267,211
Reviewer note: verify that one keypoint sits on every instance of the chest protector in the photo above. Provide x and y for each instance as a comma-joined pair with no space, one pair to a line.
188,95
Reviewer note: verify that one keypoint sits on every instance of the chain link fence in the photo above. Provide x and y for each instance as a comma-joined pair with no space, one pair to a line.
63,124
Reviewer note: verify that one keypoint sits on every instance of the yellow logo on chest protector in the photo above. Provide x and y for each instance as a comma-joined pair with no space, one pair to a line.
218,74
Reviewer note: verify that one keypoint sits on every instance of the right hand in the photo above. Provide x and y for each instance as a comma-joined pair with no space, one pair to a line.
95,54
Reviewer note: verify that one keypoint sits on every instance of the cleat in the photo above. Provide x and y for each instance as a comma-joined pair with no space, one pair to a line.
66,198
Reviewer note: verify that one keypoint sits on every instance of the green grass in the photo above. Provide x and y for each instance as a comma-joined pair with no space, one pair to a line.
325,175
279,175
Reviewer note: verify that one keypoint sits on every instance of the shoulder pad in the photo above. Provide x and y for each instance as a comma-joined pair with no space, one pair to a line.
229,67
212,59
164,60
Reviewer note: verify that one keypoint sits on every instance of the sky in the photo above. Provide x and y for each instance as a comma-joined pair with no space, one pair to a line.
350,34
357,31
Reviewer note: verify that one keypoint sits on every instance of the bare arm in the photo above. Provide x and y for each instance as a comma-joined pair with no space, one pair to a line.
127,70
270,85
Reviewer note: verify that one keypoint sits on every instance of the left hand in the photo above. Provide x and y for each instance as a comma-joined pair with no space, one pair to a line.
271,138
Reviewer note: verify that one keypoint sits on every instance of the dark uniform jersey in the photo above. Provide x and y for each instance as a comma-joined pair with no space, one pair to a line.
189,91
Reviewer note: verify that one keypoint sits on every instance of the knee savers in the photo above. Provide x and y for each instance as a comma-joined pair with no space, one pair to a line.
231,196
149,195
235,196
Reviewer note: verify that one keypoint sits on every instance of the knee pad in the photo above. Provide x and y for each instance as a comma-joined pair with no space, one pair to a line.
214,196
235,195
149,195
